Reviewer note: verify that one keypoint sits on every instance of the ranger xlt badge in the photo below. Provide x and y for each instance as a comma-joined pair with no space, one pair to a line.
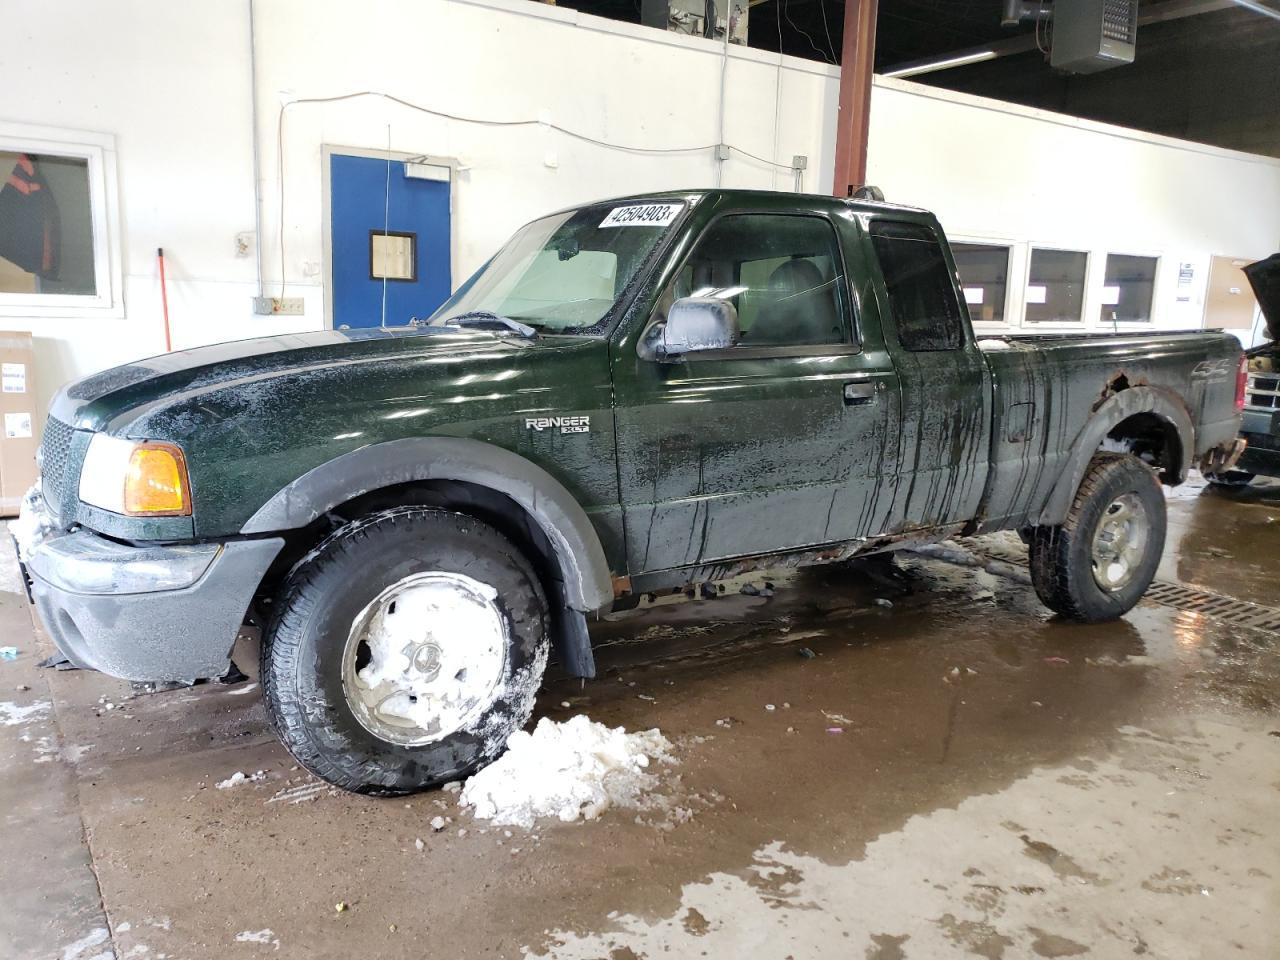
566,424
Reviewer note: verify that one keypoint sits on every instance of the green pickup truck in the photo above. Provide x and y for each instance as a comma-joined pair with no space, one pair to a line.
628,396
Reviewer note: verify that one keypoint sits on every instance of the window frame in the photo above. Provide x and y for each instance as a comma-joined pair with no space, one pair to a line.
850,346
1155,289
967,335
99,150
1087,299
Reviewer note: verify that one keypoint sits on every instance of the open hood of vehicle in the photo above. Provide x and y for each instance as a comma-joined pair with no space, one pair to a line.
1264,277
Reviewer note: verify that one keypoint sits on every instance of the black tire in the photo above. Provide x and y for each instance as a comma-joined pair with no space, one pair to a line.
1231,480
303,648
1062,565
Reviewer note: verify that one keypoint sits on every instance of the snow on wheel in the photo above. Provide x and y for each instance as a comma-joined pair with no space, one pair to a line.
425,657
404,651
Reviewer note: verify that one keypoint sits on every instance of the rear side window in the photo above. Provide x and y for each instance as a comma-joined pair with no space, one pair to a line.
922,296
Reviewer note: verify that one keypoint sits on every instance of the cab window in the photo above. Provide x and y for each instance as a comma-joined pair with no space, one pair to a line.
922,296
783,274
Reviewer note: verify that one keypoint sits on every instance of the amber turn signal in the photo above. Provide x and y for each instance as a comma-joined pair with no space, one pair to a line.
156,482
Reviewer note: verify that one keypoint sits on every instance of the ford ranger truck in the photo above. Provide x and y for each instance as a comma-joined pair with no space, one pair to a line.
629,396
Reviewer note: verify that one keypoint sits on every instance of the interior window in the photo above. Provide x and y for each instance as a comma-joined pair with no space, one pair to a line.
984,279
922,297
46,228
1055,286
1128,288
782,273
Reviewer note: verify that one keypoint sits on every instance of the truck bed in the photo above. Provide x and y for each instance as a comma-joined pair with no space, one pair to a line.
1047,387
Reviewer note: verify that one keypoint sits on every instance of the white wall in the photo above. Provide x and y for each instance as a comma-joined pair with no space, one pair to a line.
171,83
989,169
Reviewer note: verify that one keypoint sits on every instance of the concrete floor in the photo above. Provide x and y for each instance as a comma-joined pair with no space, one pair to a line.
956,775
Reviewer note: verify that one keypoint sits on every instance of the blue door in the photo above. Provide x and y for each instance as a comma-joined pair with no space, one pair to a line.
389,231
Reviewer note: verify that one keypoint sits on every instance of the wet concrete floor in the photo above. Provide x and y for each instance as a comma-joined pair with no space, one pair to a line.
957,774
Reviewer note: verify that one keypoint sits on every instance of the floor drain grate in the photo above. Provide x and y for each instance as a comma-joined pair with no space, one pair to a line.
1177,595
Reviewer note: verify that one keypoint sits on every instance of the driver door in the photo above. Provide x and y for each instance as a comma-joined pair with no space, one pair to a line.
769,445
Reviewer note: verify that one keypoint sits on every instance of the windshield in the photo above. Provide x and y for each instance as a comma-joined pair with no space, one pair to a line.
563,273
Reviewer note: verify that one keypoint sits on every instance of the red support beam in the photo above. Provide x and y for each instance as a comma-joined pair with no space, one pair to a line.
857,58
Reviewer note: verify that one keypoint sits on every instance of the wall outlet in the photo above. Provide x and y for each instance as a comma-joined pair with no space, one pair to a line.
283,306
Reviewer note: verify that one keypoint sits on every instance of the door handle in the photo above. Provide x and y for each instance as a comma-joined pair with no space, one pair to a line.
859,392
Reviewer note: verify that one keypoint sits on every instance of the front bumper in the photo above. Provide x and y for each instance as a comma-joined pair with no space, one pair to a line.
145,613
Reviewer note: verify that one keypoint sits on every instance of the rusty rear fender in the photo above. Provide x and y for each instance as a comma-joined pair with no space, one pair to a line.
1117,408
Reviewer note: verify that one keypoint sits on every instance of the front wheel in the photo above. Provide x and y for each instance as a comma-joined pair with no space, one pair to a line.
1100,561
404,651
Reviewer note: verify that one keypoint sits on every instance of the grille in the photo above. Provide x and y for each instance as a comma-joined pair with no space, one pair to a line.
1118,21
1177,595
1263,392
55,446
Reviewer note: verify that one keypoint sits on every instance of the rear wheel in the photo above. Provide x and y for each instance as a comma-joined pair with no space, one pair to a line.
1100,561
404,651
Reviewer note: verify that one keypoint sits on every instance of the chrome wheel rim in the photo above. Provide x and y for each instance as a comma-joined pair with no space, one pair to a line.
425,658
1120,542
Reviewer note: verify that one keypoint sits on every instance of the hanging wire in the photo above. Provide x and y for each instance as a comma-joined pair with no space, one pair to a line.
777,96
573,134
822,7
1040,19
724,77
386,228
813,46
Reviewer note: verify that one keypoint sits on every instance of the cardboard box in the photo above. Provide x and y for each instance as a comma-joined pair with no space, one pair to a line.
18,437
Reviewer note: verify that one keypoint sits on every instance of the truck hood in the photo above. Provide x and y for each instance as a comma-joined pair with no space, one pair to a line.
1264,277
98,401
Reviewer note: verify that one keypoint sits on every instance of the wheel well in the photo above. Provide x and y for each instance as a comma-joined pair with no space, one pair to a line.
568,627
494,508
1153,439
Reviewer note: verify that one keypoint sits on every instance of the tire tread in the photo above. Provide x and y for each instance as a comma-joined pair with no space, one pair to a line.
1054,576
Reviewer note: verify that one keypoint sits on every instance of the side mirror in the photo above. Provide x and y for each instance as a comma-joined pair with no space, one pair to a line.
699,323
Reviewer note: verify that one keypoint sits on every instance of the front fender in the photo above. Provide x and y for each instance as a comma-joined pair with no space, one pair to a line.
1114,410
588,584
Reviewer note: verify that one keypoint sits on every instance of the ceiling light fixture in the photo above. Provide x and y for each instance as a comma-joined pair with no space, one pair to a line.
1258,7
944,63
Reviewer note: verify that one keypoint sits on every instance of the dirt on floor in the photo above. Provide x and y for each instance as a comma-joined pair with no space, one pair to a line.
903,760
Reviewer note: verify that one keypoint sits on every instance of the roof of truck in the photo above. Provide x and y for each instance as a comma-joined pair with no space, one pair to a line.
747,197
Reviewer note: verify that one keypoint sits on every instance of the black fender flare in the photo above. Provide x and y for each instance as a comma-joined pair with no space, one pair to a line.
588,583
1111,413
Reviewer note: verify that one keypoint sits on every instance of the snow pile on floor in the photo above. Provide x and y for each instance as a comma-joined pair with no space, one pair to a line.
266,936
240,777
567,770
12,714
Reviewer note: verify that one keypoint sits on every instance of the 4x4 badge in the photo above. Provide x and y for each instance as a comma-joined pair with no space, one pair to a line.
566,424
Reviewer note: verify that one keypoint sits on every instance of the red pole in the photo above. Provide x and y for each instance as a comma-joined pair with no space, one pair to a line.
164,300
857,59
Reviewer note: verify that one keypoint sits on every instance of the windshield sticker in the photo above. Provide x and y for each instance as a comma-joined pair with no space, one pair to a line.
646,215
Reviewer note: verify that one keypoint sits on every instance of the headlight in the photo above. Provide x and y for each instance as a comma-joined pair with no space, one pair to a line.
137,479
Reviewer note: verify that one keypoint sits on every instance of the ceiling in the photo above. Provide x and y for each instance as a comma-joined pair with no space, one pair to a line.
1213,77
